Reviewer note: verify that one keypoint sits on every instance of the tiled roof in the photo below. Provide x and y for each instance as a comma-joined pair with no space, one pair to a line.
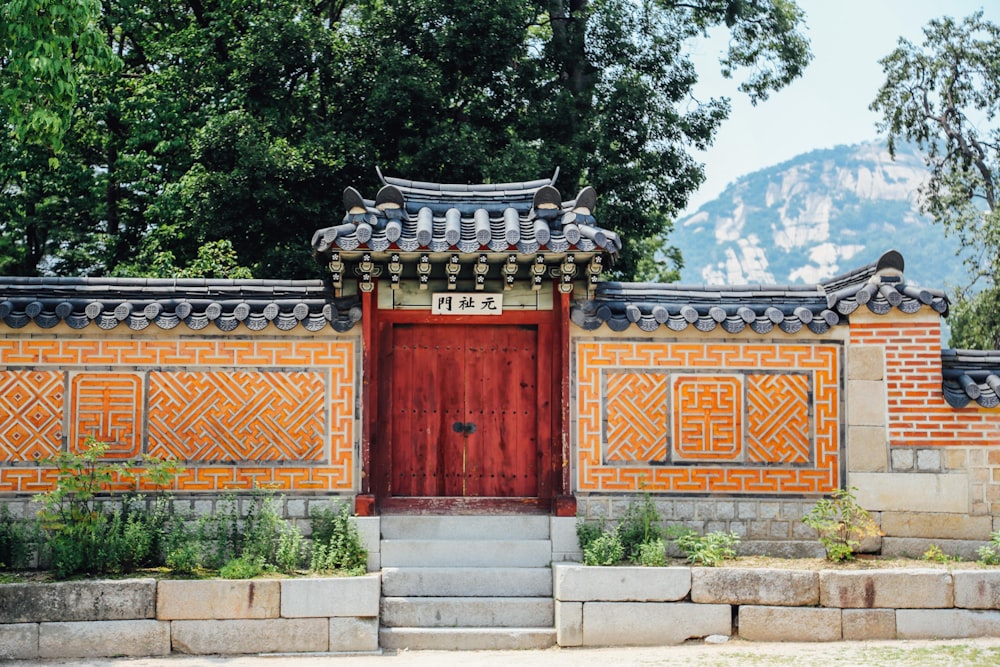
878,286
971,375
136,303
414,216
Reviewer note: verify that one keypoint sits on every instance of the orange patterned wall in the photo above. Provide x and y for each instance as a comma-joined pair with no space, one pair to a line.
707,417
238,413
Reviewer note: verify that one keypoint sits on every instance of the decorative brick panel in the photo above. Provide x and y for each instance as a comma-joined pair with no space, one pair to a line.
237,413
743,418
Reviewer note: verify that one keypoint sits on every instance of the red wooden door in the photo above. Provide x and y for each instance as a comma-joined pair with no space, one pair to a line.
464,411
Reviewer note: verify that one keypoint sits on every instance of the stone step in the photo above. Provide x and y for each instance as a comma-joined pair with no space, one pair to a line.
466,639
467,581
466,553
425,527
467,612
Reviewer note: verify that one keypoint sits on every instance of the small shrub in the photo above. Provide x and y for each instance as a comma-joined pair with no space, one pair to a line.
337,544
653,554
709,550
842,524
246,566
18,541
639,525
587,532
605,549
935,554
989,554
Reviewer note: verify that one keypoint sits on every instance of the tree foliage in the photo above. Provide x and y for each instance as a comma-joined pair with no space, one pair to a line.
944,96
243,120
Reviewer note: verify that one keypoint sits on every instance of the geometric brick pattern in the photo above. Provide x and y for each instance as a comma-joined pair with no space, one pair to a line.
233,417
281,411
636,407
107,406
31,414
779,463
707,418
778,418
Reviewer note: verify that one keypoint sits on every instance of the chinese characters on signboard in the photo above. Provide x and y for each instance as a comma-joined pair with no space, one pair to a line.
456,303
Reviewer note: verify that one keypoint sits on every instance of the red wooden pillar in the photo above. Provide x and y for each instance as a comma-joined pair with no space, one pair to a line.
565,501
364,502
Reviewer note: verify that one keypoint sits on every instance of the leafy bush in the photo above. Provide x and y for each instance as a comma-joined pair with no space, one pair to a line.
653,553
246,566
337,544
639,525
259,535
935,554
989,554
842,524
588,531
17,541
605,549
85,529
710,549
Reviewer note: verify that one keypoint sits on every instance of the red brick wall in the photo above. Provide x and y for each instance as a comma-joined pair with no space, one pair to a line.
918,414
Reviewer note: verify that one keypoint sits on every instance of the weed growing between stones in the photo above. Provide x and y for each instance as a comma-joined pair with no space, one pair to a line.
989,554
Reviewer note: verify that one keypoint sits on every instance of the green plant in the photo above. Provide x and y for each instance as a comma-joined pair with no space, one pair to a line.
989,554
588,531
337,545
18,541
605,549
709,550
652,554
246,566
639,525
257,535
936,555
842,524
86,529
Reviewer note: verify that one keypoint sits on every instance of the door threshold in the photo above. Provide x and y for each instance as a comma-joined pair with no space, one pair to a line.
464,506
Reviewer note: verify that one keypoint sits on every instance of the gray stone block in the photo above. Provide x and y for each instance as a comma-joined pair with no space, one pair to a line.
467,581
914,547
569,623
330,596
903,459
466,553
936,525
427,527
782,548
94,639
929,460
353,634
449,612
621,584
866,624
272,635
789,624
754,586
565,545
19,641
78,601
218,599
946,623
912,492
652,623
868,589
466,639
977,589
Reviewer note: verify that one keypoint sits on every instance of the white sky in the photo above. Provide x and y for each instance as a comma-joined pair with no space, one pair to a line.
828,105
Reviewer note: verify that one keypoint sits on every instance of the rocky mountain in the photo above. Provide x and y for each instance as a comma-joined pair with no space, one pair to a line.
815,216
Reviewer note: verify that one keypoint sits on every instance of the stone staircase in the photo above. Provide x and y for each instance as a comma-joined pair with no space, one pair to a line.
466,582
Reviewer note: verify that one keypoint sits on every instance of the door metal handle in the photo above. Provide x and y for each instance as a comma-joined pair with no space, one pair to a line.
465,429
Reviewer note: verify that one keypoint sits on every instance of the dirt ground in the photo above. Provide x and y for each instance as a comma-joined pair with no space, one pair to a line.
734,653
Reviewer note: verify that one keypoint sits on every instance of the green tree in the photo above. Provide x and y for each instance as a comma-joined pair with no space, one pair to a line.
243,120
944,96
46,46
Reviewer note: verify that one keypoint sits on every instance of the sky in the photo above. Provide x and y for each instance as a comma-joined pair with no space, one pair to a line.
828,105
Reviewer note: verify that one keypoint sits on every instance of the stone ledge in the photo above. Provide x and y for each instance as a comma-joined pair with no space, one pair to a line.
867,589
98,639
19,641
272,635
581,583
218,599
946,623
97,600
652,623
755,586
347,596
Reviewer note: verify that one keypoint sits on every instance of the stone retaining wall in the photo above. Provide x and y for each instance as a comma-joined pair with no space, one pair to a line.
142,617
634,606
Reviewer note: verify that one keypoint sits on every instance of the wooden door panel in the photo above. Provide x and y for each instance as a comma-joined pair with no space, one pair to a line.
464,411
